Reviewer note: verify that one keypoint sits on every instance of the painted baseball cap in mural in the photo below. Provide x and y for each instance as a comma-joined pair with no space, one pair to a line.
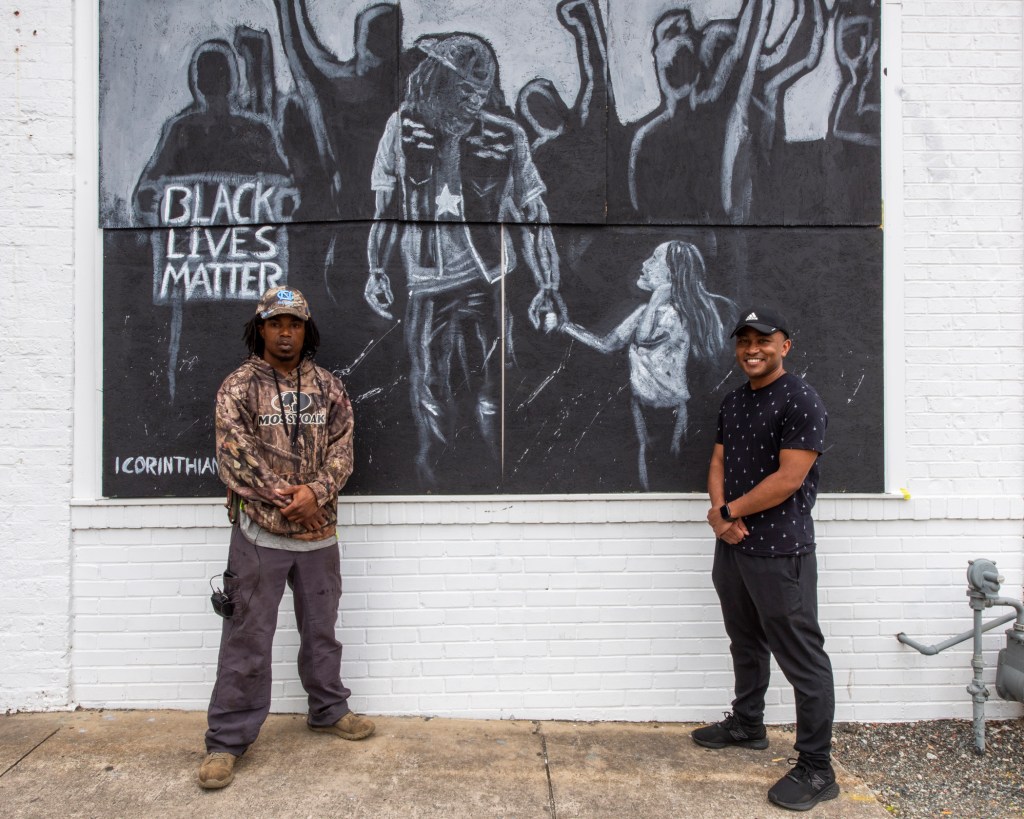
279,301
764,321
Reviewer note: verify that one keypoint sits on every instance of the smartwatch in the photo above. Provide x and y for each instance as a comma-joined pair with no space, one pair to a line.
724,512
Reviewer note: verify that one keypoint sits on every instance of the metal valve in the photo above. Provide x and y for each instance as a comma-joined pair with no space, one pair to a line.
983,583
983,580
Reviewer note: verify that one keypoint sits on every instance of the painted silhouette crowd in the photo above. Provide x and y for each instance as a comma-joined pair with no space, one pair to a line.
713,151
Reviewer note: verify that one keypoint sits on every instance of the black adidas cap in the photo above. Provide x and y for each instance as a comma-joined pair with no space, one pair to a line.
763,321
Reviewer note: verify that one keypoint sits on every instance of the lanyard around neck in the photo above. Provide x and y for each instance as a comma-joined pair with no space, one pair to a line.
293,434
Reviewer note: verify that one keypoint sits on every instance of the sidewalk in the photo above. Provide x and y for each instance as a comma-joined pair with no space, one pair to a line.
143,763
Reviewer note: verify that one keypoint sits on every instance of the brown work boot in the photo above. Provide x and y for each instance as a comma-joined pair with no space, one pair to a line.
217,770
350,726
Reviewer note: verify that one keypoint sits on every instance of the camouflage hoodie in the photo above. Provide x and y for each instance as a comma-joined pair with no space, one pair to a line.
255,453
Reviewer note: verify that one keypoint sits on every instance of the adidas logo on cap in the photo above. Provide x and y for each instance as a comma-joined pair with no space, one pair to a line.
763,320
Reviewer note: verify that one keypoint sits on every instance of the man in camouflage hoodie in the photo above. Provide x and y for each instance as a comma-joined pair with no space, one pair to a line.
284,449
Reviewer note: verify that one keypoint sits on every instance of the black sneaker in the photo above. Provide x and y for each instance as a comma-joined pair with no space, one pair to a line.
804,787
729,732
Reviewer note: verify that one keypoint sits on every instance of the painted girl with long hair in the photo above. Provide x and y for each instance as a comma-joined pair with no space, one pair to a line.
680,321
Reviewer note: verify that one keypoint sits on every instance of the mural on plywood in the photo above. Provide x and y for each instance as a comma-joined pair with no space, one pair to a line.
525,229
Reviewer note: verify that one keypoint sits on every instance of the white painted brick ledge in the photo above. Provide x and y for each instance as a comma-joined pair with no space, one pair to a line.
203,513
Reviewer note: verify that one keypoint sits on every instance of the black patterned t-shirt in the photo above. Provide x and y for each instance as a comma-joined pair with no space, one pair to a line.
753,426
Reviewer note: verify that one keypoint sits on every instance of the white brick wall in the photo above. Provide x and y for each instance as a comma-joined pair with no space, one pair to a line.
559,608
964,291
480,609
36,271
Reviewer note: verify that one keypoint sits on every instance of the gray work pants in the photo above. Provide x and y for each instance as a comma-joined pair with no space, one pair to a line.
241,696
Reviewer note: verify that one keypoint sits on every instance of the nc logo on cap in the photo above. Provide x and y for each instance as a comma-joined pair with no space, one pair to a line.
282,300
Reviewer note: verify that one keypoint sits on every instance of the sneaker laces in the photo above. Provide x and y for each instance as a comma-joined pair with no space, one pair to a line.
732,721
803,771
729,720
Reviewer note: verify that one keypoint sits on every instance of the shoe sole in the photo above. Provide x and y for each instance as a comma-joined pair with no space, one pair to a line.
330,729
831,792
756,744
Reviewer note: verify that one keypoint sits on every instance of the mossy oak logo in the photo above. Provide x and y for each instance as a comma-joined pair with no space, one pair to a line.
291,407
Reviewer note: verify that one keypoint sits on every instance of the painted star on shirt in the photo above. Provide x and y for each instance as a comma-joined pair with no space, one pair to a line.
447,202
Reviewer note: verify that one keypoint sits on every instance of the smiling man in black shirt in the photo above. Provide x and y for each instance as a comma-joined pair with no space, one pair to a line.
763,481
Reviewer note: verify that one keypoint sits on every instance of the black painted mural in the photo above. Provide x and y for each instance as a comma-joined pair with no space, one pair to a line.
525,229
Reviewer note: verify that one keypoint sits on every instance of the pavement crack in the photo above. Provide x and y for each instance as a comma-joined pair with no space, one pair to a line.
19,760
547,768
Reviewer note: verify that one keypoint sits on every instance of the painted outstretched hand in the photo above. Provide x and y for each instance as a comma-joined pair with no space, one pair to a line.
378,294
547,309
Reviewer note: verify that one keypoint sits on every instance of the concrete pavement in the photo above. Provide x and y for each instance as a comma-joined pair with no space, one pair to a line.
144,763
